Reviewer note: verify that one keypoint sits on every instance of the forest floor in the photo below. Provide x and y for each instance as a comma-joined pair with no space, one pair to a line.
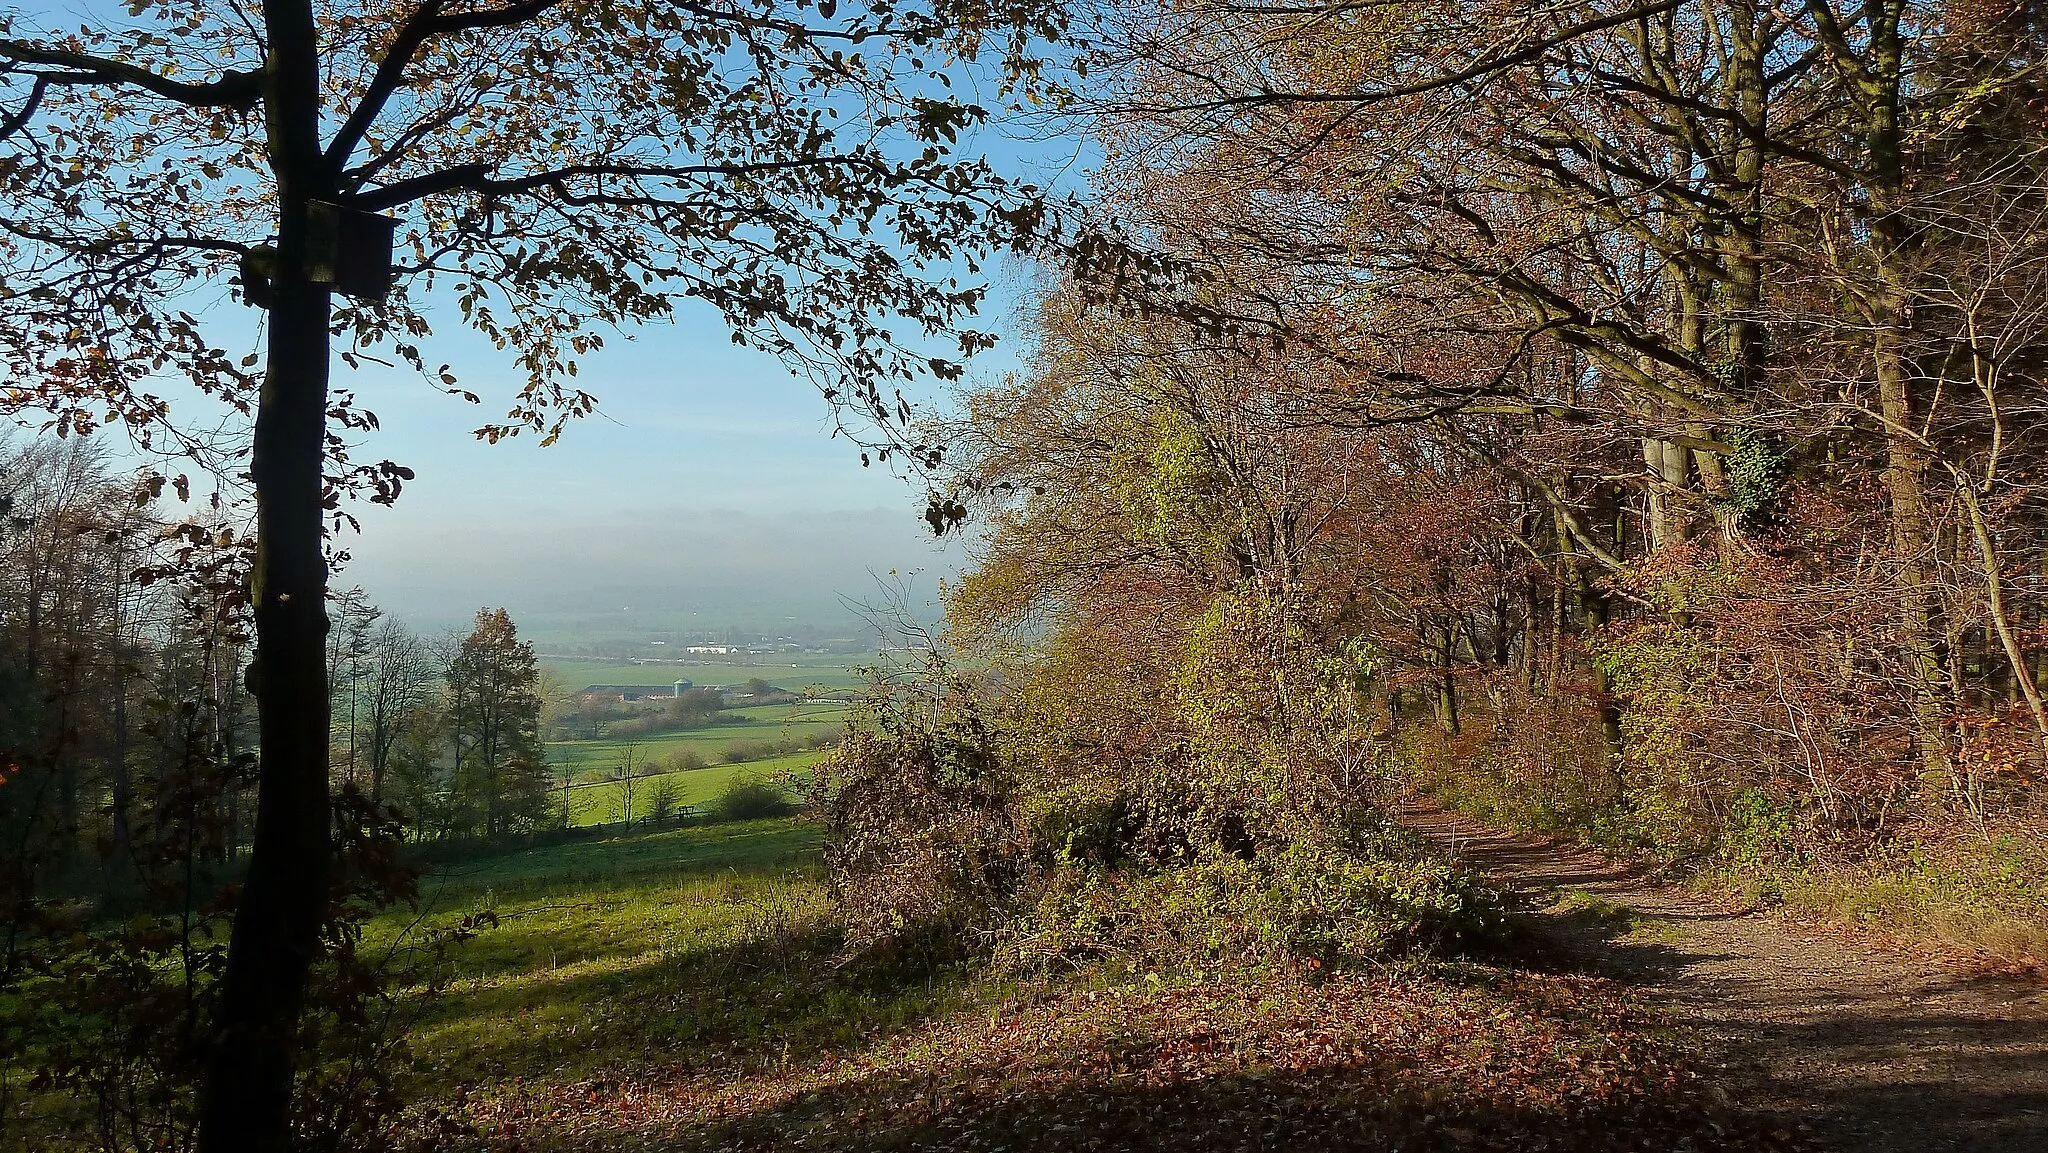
1863,1045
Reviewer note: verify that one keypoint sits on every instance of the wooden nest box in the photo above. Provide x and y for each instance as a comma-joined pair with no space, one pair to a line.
347,249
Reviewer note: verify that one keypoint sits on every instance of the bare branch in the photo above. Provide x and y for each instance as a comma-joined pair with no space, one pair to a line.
236,90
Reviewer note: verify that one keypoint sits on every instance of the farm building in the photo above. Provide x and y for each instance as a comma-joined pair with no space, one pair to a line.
634,692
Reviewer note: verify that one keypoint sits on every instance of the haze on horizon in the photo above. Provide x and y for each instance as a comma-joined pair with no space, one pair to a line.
709,482
657,570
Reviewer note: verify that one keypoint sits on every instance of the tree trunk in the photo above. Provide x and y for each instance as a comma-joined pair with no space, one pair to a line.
1904,482
247,1103
120,858
1589,612
1886,306
1445,689
1668,467
1906,459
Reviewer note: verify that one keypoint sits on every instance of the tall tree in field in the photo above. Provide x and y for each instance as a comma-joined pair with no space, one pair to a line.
494,722
557,168
400,674
348,670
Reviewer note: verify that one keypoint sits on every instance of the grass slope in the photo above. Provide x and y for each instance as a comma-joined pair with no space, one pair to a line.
776,723
685,991
602,802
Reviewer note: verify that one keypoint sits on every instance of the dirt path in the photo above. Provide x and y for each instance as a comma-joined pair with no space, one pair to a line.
1871,1050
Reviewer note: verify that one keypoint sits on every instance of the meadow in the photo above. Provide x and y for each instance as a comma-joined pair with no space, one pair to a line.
588,766
793,671
772,724
602,802
580,924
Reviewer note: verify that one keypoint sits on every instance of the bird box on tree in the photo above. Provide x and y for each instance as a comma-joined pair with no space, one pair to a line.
347,249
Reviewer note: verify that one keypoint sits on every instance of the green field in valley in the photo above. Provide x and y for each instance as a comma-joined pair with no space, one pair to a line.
602,802
594,799
793,671
773,723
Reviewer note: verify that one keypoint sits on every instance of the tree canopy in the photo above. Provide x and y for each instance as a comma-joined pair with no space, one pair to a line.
1644,395
550,169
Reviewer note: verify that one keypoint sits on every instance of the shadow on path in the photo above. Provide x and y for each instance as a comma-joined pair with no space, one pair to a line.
1872,1050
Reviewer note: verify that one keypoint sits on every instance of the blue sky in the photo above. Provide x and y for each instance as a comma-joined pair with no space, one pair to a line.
709,476
708,481
708,470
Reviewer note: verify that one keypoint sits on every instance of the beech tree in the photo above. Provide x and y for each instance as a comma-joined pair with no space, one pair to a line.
1724,238
543,170
1648,390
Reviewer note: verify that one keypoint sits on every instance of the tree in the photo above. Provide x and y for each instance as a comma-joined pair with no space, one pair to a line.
565,166
557,699
626,776
1724,235
494,726
401,672
348,668
418,786
695,706
664,800
75,650
591,716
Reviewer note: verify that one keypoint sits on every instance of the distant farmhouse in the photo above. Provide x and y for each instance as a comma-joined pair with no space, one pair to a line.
634,692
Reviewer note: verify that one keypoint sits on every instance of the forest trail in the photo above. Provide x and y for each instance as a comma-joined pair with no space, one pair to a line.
1866,1048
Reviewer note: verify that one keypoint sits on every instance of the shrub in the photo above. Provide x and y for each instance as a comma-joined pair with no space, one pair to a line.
923,844
748,798
1072,826
1329,904
740,752
1338,905
942,828
1759,832
664,799
685,759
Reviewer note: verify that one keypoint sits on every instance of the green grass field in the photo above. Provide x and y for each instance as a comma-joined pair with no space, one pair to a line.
594,800
602,803
792,671
608,951
772,723
616,864
710,947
